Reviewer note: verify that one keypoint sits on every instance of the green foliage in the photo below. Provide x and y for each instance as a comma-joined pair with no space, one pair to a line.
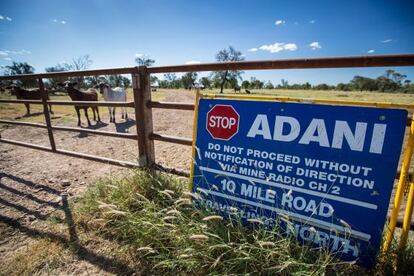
245,84
226,55
144,61
255,83
170,81
19,68
205,82
268,85
52,82
151,216
189,79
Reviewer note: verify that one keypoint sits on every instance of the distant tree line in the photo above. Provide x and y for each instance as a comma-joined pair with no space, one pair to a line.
390,81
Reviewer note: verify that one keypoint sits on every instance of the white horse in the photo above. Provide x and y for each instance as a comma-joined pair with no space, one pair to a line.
118,94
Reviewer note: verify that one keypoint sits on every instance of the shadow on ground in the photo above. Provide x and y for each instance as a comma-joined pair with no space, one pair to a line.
107,264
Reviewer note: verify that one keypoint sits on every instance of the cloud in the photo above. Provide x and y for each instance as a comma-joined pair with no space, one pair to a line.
315,45
2,17
312,21
193,62
63,22
279,46
252,50
139,55
280,22
371,51
12,52
7,58
386,41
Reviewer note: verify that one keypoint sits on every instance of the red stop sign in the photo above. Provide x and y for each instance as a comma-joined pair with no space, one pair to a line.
222,122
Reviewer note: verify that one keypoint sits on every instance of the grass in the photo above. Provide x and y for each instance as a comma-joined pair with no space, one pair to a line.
151,217
40,256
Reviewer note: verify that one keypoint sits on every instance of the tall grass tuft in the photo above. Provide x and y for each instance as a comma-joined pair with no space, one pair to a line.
151,216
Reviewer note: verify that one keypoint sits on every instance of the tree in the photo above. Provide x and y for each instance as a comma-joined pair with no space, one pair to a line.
54,81
245,84
344,87
227,55
188,80
144,60
78,64
322,86
285,83
269,85
171,81
205,82
154,80
19,68
364,84
255,83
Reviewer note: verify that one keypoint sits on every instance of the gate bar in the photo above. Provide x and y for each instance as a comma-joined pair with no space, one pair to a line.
73,154
74,129
407,218
400,188
171,139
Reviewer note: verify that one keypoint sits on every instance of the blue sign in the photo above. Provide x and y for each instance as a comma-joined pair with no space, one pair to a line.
324,173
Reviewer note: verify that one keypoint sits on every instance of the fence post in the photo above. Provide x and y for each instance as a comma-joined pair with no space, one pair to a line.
46,113
143,116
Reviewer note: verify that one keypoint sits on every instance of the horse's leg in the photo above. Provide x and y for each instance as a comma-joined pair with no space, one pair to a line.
93,111
110,114
86,115
50,109
126,113
122,112
77,112
113,112
27,108
97,111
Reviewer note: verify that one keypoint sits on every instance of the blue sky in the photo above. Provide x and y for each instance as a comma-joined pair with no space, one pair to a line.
45,32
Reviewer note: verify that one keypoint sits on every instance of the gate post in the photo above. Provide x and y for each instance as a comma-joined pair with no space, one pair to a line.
46,113
143,116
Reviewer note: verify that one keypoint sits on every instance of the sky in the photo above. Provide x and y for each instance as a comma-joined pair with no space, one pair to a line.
113,32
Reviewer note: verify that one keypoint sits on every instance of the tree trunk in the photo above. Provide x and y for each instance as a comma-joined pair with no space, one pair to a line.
223,81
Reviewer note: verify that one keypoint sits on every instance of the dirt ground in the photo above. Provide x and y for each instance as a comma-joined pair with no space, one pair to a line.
35,186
